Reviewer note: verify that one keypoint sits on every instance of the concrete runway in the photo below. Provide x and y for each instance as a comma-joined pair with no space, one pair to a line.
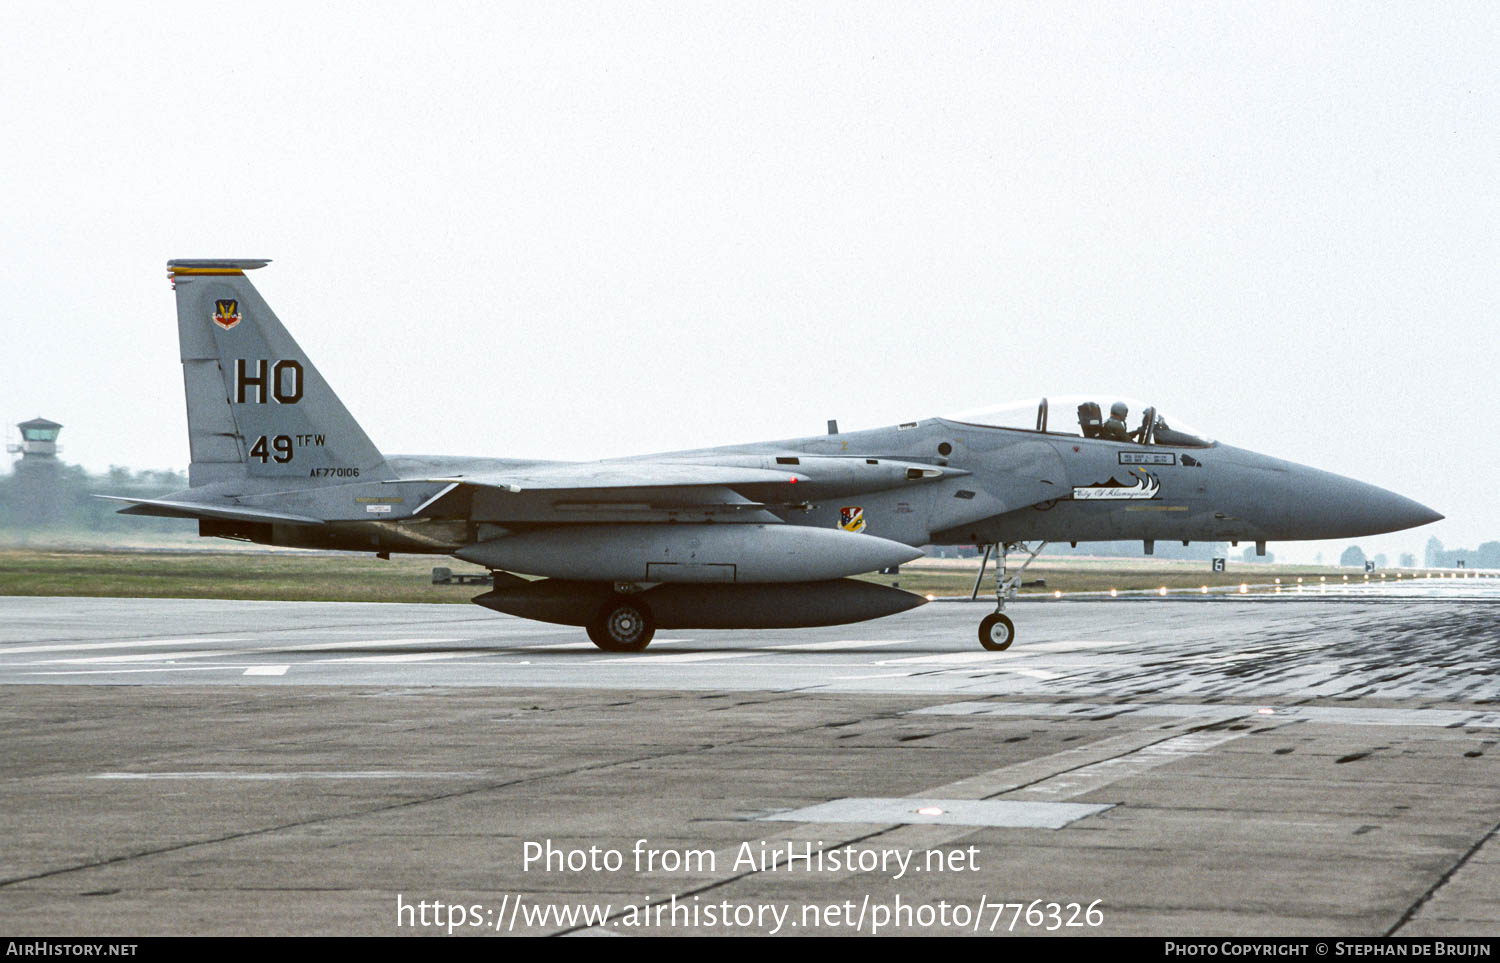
1297,764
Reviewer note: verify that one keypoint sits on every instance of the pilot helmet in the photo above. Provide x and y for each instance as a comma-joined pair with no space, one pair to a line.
1118,410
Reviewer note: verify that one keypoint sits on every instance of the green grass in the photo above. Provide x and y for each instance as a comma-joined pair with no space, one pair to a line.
291,576
247,573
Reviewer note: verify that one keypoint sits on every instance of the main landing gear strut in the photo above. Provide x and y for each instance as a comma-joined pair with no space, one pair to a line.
997,631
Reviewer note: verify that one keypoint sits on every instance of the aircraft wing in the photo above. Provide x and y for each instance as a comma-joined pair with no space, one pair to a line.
738,488
613,492
598,475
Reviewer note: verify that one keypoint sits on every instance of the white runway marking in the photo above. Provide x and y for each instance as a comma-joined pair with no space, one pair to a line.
932,652
169,668
86,646
951,658
283,776
257,650
1006,813
980,671
836,645
267,670
674,659
1100,774
576,646
1029,673
406,657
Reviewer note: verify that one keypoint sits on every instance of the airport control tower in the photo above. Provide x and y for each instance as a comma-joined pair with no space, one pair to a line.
37,484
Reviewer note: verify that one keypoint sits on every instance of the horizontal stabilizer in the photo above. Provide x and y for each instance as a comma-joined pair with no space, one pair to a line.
165,508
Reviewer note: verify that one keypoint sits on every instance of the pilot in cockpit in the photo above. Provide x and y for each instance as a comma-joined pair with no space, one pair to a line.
1114,429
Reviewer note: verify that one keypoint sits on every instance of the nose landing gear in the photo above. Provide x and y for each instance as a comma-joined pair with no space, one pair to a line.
997,631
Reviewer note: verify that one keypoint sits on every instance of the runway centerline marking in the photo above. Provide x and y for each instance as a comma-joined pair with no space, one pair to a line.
255,650
86,646
404,657
952,658
283,776
835,645
219,667
675,658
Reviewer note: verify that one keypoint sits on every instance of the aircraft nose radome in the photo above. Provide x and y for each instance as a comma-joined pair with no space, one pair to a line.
1395,512
1344,508
1424,516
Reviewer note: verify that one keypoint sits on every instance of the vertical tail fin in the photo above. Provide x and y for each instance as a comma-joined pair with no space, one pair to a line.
257,408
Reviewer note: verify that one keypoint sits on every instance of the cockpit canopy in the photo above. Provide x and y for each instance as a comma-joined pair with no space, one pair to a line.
1088,416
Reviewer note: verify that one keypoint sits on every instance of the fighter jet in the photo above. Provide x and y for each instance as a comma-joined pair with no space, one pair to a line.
762,535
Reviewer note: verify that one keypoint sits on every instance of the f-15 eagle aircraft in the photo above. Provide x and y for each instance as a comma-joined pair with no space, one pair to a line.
762,535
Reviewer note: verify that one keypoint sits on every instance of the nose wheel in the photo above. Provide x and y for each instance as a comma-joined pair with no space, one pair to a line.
997,631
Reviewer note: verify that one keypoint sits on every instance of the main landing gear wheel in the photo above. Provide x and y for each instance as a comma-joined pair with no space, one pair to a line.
622,625
997,632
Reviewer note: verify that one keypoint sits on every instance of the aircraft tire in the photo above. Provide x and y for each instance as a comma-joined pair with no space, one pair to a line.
622,625
595,637
997,632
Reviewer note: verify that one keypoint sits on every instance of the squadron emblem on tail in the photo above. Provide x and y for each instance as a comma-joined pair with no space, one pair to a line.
226,313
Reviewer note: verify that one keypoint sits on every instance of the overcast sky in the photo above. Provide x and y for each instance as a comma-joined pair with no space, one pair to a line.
579,231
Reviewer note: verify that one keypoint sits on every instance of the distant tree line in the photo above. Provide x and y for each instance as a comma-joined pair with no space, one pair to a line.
67,504
1486,555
